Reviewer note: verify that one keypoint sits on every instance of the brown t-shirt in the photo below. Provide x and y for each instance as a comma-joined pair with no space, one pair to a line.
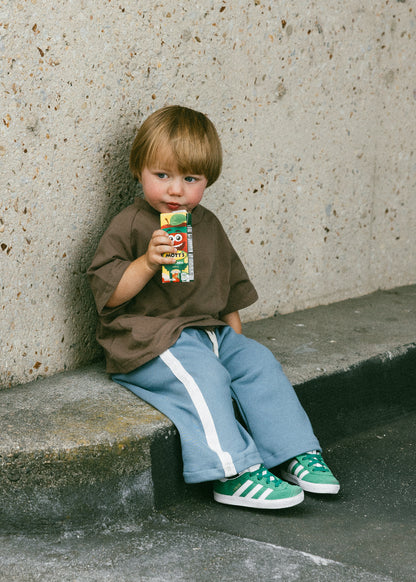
144,327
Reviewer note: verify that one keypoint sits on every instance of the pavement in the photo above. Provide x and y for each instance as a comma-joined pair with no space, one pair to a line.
84,465
366,533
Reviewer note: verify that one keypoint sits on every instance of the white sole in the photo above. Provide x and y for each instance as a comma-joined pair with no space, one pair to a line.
310,487
259,503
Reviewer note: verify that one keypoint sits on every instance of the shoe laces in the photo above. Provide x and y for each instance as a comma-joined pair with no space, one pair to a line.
314,459
262,474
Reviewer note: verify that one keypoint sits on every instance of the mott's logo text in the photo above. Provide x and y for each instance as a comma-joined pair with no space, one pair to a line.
179,255
178,226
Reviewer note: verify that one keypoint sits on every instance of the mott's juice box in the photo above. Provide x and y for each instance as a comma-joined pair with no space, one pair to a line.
178,225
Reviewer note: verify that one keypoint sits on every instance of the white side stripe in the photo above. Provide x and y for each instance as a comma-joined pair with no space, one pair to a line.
254,491
292,464
298,469
202,409
266,493
243,487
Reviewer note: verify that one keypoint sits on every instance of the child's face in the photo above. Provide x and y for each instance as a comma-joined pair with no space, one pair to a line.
166,189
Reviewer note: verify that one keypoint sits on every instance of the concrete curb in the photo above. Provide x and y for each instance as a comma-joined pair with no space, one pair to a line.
76,447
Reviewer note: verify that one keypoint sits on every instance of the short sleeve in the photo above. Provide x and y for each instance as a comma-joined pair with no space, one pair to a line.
111,259
242,291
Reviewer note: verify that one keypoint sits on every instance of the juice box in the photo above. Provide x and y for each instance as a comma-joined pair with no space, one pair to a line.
178,225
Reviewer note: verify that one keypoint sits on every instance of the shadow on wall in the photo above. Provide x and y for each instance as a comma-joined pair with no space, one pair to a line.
119,189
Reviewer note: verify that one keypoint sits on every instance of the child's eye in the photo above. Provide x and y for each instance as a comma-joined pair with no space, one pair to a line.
190,179
161,175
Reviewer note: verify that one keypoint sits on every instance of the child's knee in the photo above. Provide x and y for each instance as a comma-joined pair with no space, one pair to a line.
260,349
259,356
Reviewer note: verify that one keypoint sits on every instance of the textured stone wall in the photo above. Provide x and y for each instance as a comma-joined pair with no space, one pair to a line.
315,104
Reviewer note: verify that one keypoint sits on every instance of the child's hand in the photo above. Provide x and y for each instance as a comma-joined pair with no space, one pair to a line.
142,269
159,244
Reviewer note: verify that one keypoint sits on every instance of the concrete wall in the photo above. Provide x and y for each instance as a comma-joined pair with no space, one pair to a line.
314,101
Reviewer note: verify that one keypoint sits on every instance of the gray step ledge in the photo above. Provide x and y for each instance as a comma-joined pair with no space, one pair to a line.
77,447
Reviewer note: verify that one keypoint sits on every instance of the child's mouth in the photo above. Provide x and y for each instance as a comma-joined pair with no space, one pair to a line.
173,206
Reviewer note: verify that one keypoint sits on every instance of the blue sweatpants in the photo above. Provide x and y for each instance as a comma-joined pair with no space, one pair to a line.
194,382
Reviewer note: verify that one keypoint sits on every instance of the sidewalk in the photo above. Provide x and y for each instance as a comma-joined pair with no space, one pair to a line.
77,448
366,533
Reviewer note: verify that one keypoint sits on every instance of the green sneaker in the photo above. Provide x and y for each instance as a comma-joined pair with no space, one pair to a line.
257,487
310,472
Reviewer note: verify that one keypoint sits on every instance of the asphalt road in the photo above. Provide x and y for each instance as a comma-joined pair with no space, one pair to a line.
364,534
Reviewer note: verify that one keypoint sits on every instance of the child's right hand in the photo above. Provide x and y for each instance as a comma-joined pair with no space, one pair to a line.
142,269
159,244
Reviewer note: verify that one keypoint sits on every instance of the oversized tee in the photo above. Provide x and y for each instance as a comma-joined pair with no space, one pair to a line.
144,327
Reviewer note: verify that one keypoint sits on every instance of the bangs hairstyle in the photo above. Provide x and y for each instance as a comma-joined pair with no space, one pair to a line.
176,136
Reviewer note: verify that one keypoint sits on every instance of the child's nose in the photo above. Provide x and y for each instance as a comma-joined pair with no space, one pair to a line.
176,187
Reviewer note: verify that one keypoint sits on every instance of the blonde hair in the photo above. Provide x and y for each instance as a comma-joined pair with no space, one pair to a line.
179,136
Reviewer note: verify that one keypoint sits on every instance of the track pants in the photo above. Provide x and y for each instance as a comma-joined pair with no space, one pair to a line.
194,382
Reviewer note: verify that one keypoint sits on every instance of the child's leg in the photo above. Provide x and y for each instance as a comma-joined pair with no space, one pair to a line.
268,403
189,384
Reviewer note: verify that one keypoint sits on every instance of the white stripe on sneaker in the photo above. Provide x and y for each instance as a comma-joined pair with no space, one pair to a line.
292,464
243,487
266,493
255,490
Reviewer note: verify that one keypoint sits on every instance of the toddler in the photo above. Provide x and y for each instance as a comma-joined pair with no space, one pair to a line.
180,347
